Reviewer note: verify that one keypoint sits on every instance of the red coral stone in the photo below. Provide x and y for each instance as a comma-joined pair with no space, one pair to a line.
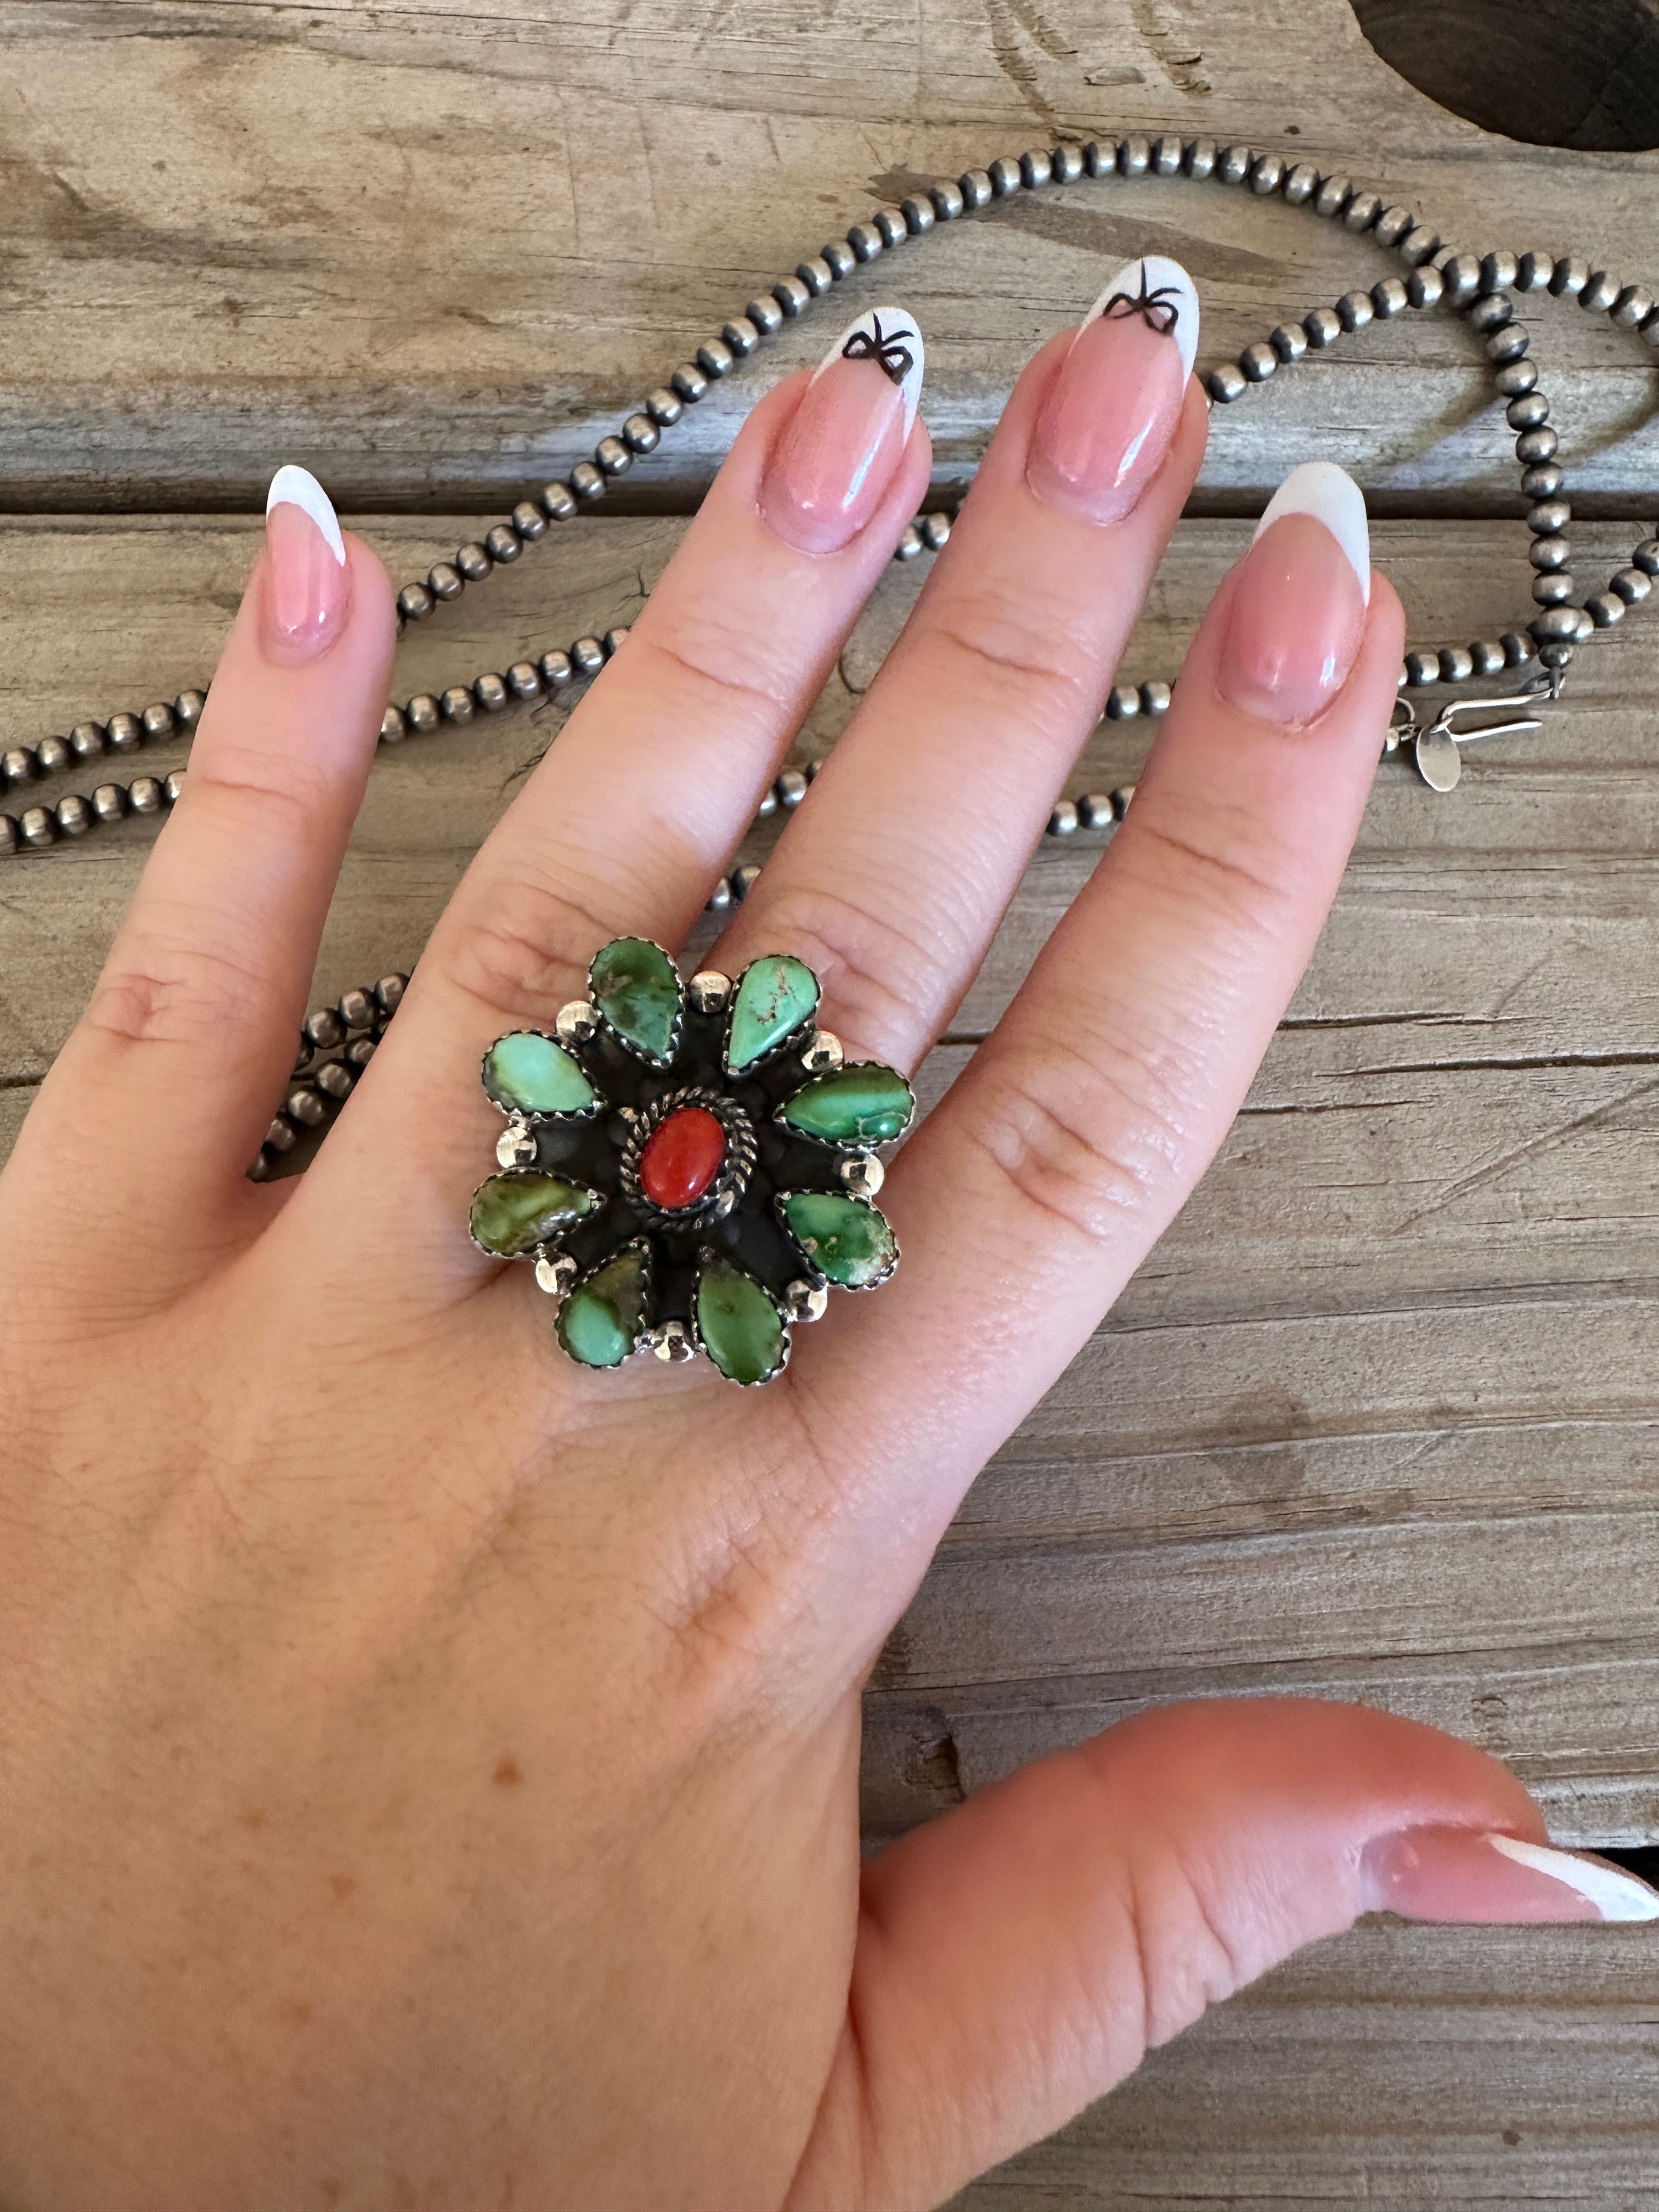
682,1157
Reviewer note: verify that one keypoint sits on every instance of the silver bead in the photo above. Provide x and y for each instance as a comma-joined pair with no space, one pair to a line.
577,1021
415,603
862,1174
1362,211
1301,184
1533,272
527,518
355,1009
474,562
457,704
187,710
948,200
744,880
336,1080
1488,656
1333,195
1355,311
1530,412
516,1147
87,739
1418,247
9,838
665,407
838,258
324,1029
909,545
1390,298
1134,156
1226,383
1559,625
1006,179
1094,810
791,787
1232,165
1604,609
1534,445
1323,327
720,898
446,582
1511,343
54,755
1633,306
125,732
791,295
891,225
1036,167
502,542
491,692
523,679
1462,276
1422,669
1602,293
172,787
1516,378
556,669
866,241
1268,173
1632,585
1569,276
1289,342
671,1343
768,807
613,641
1394,224
803,1301
976,188
1498,271
421,713
587,656
1646,557
1199,159
20,764
824,1054
304,1106
1517,648
689,381
1155,697
109,801
708,991
765,316
1552,590
1065,163
75,817
1064,819
1258,362
1456,664
1491,312
1121,800
588,478
361,1051
38,826
1549,518
1168,155
1122,703
935,532
145,795
1425,287
389,994
280,1136
1548,554
555,1274
157,721
819,277
557,498
1100,157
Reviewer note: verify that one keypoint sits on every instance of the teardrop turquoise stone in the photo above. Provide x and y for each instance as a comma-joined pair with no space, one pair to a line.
862,1104
512,1214
845,1239
774,996
637,987
742,1331
529,1074
601,1320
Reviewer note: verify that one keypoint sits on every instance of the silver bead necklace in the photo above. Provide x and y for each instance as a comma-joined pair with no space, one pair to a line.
338,1041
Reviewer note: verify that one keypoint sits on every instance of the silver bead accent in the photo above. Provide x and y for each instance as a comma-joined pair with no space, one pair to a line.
1534,445
1333,195
172,787
1362,211
935,532
1543,482
819,277
803,1301
304,1106
1036,167
665,407
1530,412
1516,378
1488,656
1064,820
1232,165
1323,327
709,991
1549,518
1491,312
557,498
1268,173
1418,247
421,712
491,692
415,603
1422,669
824,1054
976,188
75,817
720,898
587,656
281,1137
1462,276
891,225
577,1021
1258,362
1632,585
1226,384
1533,272
1552,590
1065,162
1549,553
764,315
389,994
1006,179
187,711
1604,610
791,295
1425,287
1601,296
1559,625
1457,665
145,795
1155,697
1646,557
1301,184
1134,156
457,704
1199,159
335,1081
671,1343
1498,271
948,201
556,669
1094,811
324,1029
1569,276
555,1274
446,582
1634,305
1355,311
109,801
866,241
54,755
20,764
1390,298
474,562
88,740
516,1147
862,1174
744,880
39,826
1290,342
502,542
527,518
688,381
523,679
125,732
1122,703
354,1009
157,721
1121,800
1394,224
1517,649
909,545
791,787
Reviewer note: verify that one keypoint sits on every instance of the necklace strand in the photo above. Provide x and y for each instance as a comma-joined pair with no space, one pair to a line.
338,1041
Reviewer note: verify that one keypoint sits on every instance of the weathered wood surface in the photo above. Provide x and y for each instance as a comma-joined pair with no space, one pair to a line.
434,251
1375,1420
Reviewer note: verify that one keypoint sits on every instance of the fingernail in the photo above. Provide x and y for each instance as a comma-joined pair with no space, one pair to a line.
1112,409
308,584
834,462
1466,1875
1298,608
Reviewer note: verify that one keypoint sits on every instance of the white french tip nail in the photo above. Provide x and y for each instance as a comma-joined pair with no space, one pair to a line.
1163,294
892,338
1615,1894
1331,496
293,487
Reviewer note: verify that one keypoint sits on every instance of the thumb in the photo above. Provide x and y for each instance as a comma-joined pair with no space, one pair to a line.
1018,1958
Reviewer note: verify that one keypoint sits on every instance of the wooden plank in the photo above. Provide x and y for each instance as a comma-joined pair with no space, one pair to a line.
433,251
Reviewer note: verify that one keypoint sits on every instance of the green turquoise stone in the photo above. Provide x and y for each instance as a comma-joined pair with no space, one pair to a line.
774,996
636,987
742,1330
515,1213
845,1239
602,1320
862,1104
529,1074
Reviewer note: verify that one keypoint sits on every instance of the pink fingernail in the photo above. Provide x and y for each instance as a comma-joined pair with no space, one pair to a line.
1298,609
307,582
1107,421
834,462
1465,1874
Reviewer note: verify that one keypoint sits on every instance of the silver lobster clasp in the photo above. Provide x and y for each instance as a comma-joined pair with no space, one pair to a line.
1434,746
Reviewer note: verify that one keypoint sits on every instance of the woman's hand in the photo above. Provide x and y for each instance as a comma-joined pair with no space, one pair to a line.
428,1768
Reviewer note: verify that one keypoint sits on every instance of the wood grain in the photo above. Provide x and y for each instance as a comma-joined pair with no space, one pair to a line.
433,252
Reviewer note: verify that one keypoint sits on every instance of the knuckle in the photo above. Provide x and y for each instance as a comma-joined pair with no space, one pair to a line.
1000,644
166,994
1238,874
719,664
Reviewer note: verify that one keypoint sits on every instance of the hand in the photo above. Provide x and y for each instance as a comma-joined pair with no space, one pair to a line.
429,1767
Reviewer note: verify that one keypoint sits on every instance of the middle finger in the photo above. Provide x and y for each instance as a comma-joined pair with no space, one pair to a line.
997,680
